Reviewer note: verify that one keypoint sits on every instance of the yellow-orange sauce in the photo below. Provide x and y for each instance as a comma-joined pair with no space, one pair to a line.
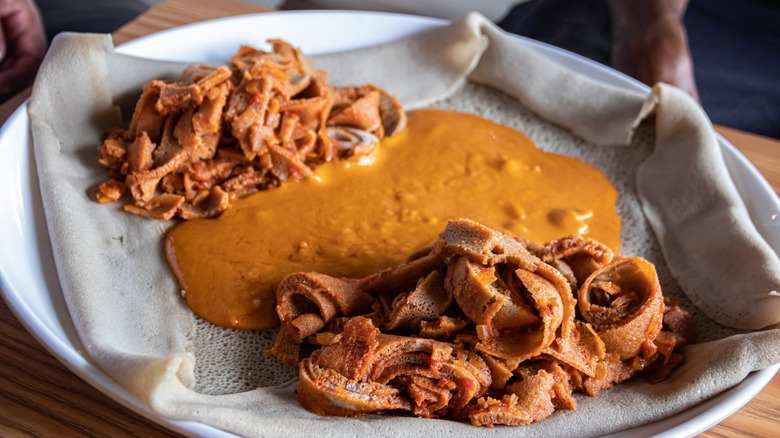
352,220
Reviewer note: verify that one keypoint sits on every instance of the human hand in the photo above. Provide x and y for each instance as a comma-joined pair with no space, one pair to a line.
22,45
651,44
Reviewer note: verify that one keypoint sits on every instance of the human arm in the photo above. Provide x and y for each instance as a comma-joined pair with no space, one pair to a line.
650,43
22,45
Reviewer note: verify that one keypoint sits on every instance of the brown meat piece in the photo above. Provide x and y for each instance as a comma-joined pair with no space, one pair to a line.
531,399
364,361
324,391
583,351
211,204
307,301
110,191
146,118
624,303
441,328
269,110
113,151
139,153
582,254
427,301
402,277
162,207
483,330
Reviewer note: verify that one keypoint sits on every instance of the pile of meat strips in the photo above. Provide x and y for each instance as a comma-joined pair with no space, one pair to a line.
220,133
481,327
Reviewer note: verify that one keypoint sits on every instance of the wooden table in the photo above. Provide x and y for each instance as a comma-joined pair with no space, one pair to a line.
40,397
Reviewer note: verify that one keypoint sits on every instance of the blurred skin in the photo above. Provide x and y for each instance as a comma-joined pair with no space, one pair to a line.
22,45
649,42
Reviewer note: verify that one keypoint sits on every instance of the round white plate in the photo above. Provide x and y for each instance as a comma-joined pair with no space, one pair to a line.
28,279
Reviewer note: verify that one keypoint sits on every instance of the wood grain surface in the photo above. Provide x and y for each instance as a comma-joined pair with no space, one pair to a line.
40,397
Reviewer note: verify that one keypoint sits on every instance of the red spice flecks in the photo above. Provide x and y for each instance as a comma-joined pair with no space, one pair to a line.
432,364
467,384
256,98
443,383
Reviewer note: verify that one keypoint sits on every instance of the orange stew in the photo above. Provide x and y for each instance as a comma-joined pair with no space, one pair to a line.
351,219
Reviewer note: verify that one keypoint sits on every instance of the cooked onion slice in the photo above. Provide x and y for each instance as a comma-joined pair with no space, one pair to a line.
349,142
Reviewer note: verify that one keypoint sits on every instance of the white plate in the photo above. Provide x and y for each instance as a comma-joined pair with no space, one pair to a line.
28,279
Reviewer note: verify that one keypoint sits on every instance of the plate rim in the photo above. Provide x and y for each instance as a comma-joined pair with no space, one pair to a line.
724,404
